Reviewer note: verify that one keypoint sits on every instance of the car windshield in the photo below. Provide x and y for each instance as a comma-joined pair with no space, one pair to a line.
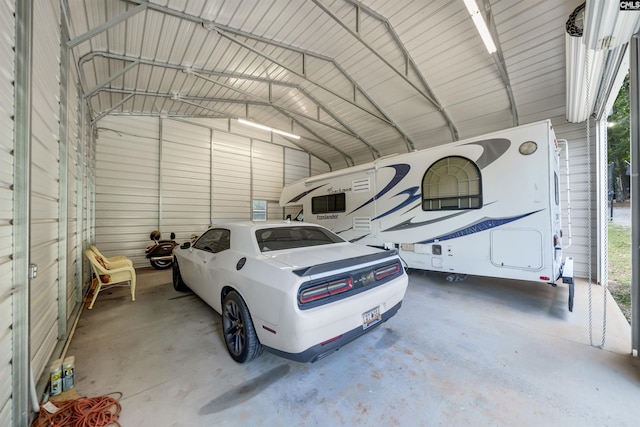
275,239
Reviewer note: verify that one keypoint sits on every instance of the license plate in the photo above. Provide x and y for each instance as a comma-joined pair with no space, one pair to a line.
371,317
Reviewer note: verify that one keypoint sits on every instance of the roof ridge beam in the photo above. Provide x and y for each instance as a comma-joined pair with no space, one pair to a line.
375,153
222,30
90,56
107,25
224,100
498,57
428,94
320,140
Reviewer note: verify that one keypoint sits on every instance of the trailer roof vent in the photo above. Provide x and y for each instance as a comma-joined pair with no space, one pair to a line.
361,185
362,223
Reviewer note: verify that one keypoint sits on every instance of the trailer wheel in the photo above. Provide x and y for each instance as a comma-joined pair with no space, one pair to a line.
571,294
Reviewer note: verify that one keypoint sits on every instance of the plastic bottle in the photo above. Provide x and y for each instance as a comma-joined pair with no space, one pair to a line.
68,372
55,369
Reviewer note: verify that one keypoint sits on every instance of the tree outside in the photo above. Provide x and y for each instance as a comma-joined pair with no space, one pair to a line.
618,149
618,141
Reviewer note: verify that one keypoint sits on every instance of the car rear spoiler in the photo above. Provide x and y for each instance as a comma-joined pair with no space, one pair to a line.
344,263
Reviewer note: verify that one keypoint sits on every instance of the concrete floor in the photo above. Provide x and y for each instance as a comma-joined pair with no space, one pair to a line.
481,352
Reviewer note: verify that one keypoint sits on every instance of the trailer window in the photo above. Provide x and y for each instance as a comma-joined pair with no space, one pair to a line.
452,183
329,203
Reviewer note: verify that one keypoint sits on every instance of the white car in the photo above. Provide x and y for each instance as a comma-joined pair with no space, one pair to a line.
294,289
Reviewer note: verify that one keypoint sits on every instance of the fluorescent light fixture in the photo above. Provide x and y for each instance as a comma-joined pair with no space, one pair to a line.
581,100
606,26
472,7
268,129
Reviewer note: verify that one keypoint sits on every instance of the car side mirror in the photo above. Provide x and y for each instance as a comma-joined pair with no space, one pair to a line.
185,245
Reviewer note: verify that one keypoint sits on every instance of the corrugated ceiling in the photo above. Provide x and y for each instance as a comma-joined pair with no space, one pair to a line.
357,80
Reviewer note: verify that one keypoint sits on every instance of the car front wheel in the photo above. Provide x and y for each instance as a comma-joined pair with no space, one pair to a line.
178,283
239,334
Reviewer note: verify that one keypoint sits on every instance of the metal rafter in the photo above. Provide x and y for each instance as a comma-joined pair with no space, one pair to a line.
111,78
320,140
262,102
105,26
189,100
221,100
233,75
267,101
104,113
498,58
200,74
259,53
427,93
230,33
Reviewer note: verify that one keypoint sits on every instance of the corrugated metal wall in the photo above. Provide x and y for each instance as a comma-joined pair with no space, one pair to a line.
180,175
74,194
231,176
576,135
7,25
318,167
127,186
296,167
185,172
86,187
267,177
44,182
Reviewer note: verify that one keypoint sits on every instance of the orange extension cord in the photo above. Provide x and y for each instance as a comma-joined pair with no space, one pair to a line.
99,411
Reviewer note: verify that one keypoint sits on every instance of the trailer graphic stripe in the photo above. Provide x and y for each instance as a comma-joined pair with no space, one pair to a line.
301,195
402,169
409,224
413,194
486,224
492,150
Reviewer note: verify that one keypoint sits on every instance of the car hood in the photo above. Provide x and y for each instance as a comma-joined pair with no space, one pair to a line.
314,255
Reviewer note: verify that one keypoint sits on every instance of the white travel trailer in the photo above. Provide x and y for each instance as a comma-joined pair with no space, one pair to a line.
487,206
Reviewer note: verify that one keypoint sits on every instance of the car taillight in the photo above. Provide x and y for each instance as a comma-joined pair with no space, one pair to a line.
387,271
325,290
556,240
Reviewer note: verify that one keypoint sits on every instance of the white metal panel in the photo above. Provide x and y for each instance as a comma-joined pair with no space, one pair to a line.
44,183
353,88
582,217
274,211
74,251
86,191
267,171
6,353
231,176
127,186
318,166
296,165
185,179
7,25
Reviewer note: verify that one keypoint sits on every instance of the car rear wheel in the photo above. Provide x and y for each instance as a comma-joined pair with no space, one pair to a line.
178,283
239,334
